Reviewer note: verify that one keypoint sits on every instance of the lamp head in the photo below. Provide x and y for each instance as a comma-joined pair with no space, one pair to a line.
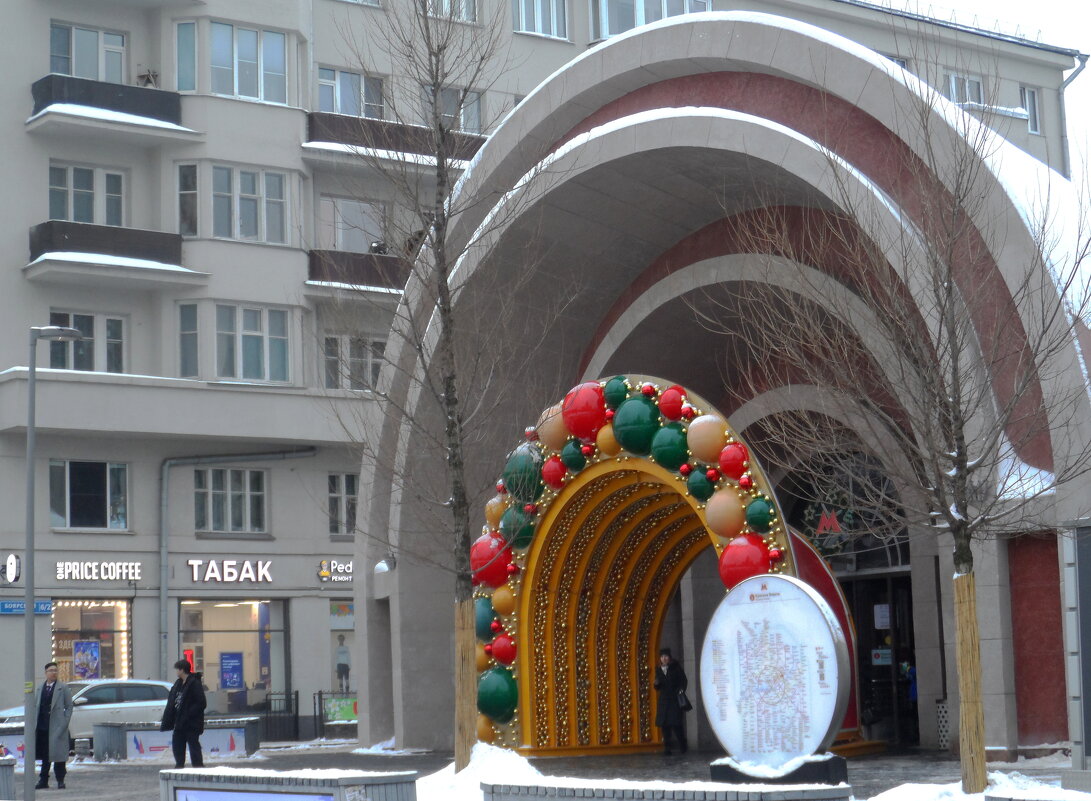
56,333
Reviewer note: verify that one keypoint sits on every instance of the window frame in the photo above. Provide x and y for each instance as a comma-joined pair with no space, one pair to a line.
557,13
195,334
263,204
99,343
109,477
339,365
958,86
600,15
457,10
331,220
101,48
368,83
191,57
342,505
1034,115
259,64
100,207
464,102
205,494
240,336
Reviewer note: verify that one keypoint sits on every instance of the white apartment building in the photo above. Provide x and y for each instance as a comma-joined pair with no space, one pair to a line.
178,190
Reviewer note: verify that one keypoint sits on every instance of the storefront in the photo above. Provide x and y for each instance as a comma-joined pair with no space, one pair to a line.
92,639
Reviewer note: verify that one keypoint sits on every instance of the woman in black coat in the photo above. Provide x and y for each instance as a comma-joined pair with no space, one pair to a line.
185,715
670,680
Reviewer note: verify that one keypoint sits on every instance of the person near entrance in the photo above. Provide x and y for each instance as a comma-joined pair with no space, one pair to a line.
185,715
53,700
671,702
343,660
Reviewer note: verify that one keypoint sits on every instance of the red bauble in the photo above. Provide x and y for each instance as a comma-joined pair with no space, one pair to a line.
775,554
610,414
496,625
553,472
712,474
531,433
503,649
688,412
743,557
531,508
670,402
513,569
734,459
489,560
584,410
500,487
588,450
648,390
746,482
686,469
488,650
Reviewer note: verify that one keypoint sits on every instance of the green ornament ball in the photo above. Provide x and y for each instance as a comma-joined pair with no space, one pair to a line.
635,424
669,446
497,694
699,486
615,391
523,473
516,527
484,615
572,456
759,515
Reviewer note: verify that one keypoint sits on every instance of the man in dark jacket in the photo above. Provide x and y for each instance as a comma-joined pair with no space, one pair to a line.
185,715
670,682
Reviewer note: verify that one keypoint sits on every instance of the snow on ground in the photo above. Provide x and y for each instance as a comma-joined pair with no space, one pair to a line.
386,748
1011,785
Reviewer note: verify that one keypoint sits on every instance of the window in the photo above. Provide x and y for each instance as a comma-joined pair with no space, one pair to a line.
88,494
350,225
249,63
1028,99
249,204
609,17
341,92
186,44
462,10
87,53
251,343
102,630
546,17
229,500
460,109
187,340
343,491
102,347
965,89
187,199
86,194
352,362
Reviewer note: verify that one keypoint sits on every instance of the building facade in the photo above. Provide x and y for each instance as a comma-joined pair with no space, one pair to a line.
182,188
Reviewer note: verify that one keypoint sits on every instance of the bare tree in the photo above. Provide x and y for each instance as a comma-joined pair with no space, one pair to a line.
937,334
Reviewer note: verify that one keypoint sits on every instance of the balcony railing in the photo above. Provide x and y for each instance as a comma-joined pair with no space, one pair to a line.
156,104
61,236
385,135
357,269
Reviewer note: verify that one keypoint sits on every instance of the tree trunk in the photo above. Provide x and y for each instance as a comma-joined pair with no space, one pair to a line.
971,732
465,689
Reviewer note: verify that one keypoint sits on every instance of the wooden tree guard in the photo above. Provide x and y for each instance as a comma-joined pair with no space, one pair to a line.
465,684
971,732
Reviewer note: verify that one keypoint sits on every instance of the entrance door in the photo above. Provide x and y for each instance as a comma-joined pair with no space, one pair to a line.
882,608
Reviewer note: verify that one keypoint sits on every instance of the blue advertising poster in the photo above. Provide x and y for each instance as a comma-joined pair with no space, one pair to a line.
86,659
231,670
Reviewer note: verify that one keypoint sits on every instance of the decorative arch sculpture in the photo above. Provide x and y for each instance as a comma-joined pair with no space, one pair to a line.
614,494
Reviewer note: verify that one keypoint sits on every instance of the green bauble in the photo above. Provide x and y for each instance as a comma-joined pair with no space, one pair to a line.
484,615
572,456
516,527
669,446
497,694
759,515
615,391
699,486
523,473
635,423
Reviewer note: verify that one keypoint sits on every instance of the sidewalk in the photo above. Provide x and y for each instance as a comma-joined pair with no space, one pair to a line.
869,776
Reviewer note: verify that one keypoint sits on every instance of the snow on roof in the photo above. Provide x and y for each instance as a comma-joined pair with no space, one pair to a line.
386,290
382,155
77,257
108,115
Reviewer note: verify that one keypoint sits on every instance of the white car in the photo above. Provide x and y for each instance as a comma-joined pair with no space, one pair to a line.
107,701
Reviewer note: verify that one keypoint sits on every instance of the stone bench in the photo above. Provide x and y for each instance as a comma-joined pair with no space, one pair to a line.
522,792
338,785
222,737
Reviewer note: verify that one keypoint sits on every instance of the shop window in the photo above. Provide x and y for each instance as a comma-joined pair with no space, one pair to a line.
93,640
342,639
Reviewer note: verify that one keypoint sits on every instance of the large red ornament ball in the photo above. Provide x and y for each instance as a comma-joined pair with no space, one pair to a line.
489,560
734,459
743,557
553,472
670,402
503,649
584,410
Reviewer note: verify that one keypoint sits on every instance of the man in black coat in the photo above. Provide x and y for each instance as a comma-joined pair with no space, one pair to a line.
670,682
185,715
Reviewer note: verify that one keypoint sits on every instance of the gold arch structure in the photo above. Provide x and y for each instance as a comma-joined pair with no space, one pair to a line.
587,596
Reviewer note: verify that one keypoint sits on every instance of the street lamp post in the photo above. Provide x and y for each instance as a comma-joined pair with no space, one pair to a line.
52,333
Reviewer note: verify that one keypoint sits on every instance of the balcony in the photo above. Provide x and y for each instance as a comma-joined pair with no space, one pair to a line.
107,256
335,137
329,270
64,105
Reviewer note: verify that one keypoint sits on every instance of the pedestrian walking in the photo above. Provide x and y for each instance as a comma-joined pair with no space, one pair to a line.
671,703
53,700
185,715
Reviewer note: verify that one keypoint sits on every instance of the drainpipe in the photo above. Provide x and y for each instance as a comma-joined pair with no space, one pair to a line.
1065,161
164,534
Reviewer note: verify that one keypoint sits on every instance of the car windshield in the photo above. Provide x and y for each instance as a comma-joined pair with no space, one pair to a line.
76,686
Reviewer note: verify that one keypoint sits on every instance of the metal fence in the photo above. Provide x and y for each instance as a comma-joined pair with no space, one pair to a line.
334,713
280,717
